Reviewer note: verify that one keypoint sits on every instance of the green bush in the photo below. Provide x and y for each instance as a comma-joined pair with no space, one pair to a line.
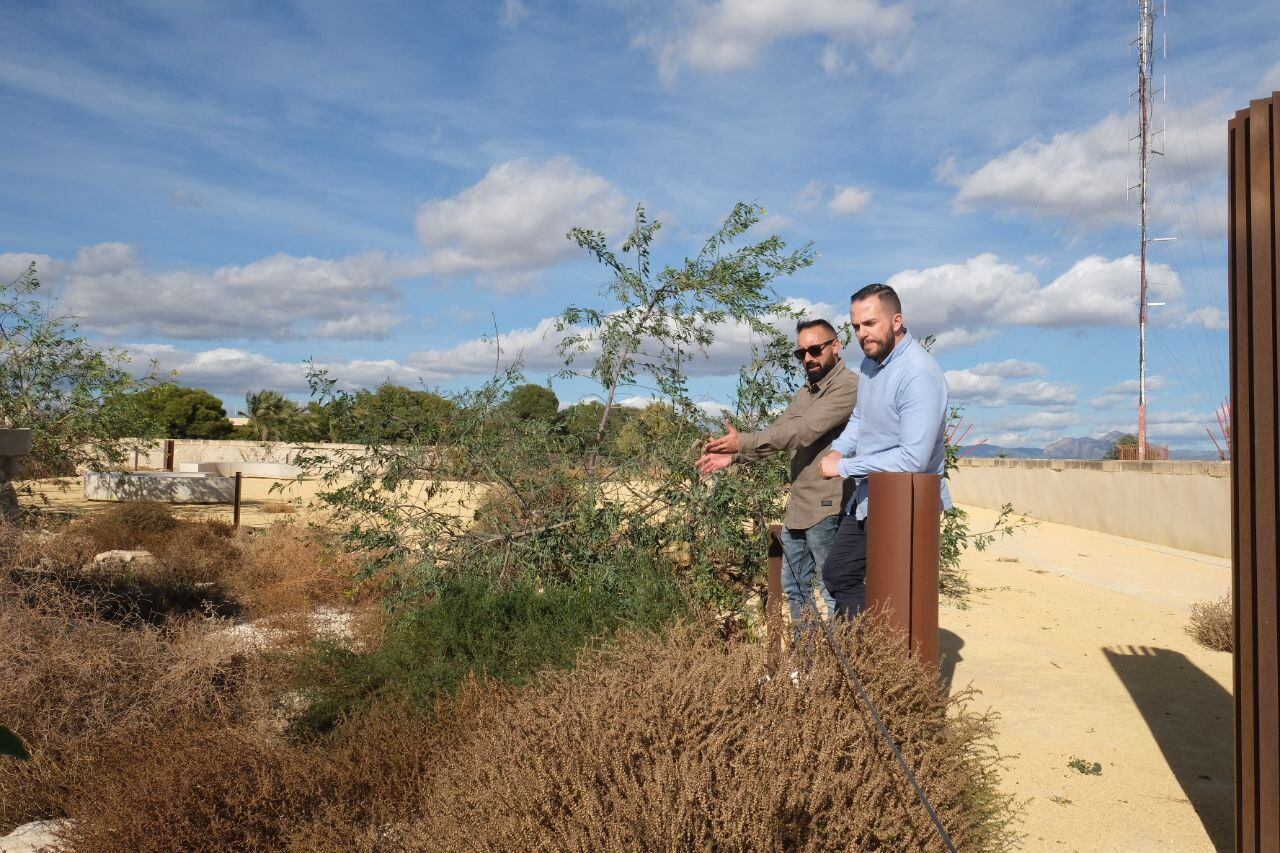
506,630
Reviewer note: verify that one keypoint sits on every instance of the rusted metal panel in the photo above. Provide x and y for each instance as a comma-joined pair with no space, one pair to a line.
1262,256
1254,234
903,533
773,602
926,542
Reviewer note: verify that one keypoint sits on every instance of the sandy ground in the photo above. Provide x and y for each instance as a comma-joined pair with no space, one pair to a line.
1076,638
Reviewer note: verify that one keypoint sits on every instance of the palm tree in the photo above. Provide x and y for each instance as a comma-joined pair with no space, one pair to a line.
271,414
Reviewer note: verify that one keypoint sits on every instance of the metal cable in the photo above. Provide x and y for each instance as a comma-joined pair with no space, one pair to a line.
852,677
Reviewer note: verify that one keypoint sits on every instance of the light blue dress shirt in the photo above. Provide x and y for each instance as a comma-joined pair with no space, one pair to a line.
899,422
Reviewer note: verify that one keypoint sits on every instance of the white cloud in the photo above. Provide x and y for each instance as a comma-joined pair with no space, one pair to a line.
1082,175
989,385
513,222
230,371
1125,394
1209,317
514,12
1040,421
849,200
1011,368
1271,80
846,200
967,296
729,35
281,297
834,63
964,302
1098,292
810,195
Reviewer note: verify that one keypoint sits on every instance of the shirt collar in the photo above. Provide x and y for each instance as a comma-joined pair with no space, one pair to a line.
907,342
821,384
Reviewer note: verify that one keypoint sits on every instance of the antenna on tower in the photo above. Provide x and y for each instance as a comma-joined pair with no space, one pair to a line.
1146,108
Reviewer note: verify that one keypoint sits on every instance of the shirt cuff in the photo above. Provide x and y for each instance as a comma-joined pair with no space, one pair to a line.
846,467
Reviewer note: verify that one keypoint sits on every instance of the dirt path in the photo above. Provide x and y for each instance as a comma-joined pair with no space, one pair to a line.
1076,638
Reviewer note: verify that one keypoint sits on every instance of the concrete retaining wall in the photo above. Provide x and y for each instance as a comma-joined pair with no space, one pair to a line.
1179,504
195,451
175,488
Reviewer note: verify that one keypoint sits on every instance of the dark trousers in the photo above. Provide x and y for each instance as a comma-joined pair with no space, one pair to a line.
845,571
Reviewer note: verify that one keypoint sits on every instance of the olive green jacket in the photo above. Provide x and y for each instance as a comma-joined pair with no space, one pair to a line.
817,414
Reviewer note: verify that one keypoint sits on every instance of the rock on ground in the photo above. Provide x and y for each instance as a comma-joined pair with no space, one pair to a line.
39,836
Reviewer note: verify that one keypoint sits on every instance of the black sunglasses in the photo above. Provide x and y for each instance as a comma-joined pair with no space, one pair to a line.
815,350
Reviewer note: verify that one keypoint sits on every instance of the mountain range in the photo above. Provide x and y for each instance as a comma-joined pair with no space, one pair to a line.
1084,447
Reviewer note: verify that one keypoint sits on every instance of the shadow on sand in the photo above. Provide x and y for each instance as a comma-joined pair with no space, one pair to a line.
949,646
1190,716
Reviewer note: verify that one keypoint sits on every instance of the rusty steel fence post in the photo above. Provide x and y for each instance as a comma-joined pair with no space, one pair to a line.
903,539
773,600
235,510
168,454
1253,186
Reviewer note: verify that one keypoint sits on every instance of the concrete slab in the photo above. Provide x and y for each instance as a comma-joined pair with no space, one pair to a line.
269,470
166,486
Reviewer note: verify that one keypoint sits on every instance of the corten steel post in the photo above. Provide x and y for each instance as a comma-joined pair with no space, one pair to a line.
903,539
168,454
235,511
773,603
1253,140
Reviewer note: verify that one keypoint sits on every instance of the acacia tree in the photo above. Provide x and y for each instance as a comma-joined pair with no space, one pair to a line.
660,321
547,499
72,395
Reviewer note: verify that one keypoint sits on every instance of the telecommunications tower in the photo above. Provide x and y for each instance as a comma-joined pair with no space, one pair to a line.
1146,107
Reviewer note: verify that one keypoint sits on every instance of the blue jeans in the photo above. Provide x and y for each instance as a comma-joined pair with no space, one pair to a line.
803,554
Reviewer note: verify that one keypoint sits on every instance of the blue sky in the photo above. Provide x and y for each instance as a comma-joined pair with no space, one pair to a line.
232,188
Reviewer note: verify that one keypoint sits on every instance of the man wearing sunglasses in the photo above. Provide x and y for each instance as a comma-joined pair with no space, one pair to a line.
817,414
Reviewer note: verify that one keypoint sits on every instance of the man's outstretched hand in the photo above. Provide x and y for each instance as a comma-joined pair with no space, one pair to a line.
831,465
709,463
727,443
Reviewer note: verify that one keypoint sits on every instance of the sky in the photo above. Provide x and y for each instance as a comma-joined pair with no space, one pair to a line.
231,189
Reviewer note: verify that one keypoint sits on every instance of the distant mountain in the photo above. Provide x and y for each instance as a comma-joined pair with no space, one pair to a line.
1071,448
1081,448
993,451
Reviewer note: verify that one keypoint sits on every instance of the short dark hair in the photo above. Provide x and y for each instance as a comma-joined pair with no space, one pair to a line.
887,295
809,324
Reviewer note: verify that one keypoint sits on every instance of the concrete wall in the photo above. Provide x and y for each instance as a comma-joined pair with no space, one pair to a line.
195,450
1179,504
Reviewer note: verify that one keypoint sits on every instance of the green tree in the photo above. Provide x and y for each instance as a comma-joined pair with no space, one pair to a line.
396,413
533,402
73,396
273,416
1127,440
181,412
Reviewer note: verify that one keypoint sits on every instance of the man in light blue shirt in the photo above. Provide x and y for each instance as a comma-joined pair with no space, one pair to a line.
898,424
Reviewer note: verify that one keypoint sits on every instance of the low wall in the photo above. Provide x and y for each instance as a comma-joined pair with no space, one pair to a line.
1179,504
190,450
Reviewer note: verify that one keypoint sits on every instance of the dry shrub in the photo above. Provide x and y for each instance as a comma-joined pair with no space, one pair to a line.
1213,624
533,498
125,525
207,788
74,683
292,567
665,743
682,746
192,561
278,507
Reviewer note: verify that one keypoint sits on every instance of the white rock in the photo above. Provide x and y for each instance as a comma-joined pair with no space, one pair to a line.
139,557
34,837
